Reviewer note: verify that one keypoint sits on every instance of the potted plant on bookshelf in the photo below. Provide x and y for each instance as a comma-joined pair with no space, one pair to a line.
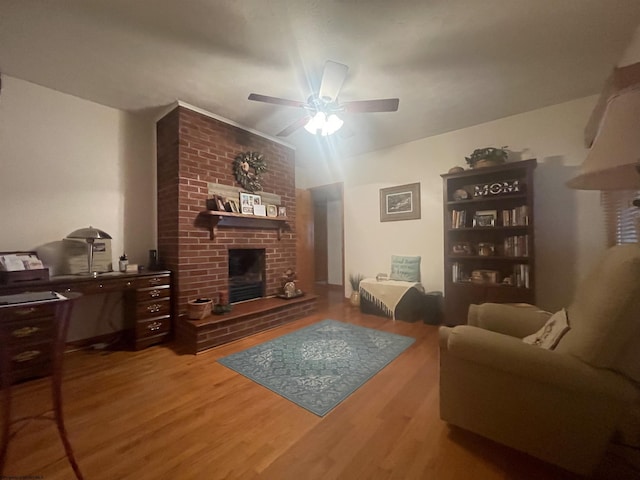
355,280
487,157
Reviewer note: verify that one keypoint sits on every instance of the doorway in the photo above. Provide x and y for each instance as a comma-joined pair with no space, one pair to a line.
320,240
328,234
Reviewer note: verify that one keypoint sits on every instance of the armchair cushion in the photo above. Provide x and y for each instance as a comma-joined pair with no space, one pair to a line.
517,320
551,332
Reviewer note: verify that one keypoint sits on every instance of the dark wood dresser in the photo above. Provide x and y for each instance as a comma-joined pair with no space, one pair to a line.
147,306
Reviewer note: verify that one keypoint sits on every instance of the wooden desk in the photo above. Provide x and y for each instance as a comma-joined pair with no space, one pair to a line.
16,347
147,300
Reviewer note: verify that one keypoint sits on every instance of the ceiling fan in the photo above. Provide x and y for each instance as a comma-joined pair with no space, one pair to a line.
322,108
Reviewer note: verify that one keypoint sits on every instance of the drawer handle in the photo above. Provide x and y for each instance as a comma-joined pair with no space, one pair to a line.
26,356
25,332
154,308
155,281
25,311
154,326
154,293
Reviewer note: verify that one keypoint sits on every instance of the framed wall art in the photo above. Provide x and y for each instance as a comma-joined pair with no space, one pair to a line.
400,203
248,201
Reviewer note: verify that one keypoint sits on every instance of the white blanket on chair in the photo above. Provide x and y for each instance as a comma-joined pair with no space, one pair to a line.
386,294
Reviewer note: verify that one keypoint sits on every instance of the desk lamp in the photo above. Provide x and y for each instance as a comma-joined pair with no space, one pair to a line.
89,235
613,162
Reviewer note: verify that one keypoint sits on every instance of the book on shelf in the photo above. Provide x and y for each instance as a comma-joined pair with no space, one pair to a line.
456,272
458,218
521,275
516,246
515,217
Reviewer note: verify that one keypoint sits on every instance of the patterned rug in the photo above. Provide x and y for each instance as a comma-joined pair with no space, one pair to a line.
319,366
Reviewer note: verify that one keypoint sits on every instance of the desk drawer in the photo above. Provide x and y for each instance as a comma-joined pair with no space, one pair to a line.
152,281
152,326
106,285
109,283
29,312
29,330
30,360
153,293
154,308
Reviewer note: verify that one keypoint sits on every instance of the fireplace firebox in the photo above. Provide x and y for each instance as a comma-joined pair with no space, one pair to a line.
246,274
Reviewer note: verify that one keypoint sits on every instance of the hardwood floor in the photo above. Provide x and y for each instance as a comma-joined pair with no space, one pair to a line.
155,414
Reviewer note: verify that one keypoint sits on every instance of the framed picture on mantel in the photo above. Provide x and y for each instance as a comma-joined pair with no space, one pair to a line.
248,201
400,203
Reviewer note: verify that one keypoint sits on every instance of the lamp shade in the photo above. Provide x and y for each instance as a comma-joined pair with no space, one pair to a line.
88,233
614,158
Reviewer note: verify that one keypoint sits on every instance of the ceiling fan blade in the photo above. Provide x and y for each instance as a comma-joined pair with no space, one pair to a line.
275,100
332,79
301,122
364,106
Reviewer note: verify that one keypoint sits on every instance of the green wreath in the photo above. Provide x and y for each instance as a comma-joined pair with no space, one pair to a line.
247,167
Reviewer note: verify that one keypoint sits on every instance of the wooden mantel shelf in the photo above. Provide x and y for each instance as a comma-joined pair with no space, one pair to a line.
240,220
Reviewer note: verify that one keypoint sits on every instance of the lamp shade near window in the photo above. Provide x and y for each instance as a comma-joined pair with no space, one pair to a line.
613,162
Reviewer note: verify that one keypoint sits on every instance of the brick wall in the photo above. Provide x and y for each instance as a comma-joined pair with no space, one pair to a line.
193,150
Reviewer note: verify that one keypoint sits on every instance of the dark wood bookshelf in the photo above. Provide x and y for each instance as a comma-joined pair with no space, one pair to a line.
508,190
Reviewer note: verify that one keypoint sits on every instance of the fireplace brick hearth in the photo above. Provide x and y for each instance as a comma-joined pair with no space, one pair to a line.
195,149
196,336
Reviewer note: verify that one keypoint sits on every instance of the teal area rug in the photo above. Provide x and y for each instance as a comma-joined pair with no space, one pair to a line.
319,366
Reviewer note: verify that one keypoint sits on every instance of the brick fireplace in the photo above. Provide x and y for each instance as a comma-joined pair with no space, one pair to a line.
195,150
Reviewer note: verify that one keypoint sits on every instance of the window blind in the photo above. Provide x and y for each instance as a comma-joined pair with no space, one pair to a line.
622,218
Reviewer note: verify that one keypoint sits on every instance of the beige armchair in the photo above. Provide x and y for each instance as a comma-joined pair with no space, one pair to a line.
561,405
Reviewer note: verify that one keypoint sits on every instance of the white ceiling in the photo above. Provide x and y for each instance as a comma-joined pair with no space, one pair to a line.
452,63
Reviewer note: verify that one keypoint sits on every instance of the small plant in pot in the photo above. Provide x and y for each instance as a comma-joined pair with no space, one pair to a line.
487,157
355,280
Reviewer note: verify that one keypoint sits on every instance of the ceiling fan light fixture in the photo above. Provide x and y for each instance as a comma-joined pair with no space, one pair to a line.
315,123
323,105
323,125
333,124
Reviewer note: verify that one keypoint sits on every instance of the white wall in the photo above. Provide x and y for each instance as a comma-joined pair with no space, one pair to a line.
568,223
68,163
